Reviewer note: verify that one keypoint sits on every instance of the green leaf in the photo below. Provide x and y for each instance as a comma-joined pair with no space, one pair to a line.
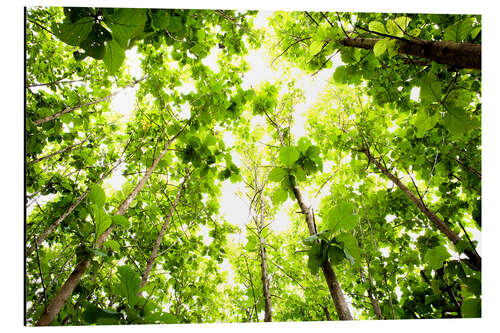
402,21
462,245
130,282
336,255
175,24
430,90
102,220
459,31
342,217
314,258
436,257
91,314
95,43
350,247
303,144
200,34
210,141
125,23
473,285
121,220
277,174
98,252
288,155
435,287
279,196
159,19
471,308
169,318
315,47
251,243
393,29
380,47
340,74
299,173
97,195
73,33
392,47
311,239
457,121
377,27
114,56
424,122
112,244
234,178
352,260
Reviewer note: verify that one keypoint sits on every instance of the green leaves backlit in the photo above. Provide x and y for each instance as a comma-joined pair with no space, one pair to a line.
288,155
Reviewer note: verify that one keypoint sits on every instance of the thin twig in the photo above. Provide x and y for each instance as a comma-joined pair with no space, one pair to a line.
341,26
327,20
311,18
288,47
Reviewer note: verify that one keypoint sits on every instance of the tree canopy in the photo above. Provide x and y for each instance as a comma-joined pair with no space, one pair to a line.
367,206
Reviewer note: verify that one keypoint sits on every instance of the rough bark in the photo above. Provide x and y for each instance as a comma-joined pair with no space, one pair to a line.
48,231
455,55
330,276
440,224
156,247
67,288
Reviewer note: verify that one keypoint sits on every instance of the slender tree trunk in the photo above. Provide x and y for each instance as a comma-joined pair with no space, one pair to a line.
156,247
54,82
48,231
250,280
471,169
373,300
67,288
330,276
456,55
441,225
327,312
389,293
263,264
73,108
62,151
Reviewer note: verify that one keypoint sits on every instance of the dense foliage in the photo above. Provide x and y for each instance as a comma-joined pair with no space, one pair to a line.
381,196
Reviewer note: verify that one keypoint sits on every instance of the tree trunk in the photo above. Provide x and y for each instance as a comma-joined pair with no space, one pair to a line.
67,288
373,300
263,265
48,231
154,253
455,55
441,225
330,276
